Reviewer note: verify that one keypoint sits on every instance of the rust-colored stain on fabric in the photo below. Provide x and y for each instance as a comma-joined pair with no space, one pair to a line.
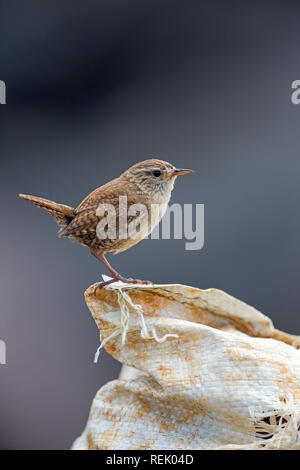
225,379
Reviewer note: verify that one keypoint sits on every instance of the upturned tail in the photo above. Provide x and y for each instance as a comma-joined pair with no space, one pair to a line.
61,213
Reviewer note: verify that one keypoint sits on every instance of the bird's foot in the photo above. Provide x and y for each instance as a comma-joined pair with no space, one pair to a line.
129,280
99,285
135,281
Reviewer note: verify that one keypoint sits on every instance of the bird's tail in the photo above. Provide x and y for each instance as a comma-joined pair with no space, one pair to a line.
62,214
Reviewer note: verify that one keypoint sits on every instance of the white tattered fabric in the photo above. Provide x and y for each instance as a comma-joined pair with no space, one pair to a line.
210,372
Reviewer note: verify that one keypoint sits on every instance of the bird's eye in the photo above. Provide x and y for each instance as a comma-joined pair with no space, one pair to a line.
156,173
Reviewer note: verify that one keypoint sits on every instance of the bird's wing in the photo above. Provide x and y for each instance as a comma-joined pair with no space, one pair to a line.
86,220
87,215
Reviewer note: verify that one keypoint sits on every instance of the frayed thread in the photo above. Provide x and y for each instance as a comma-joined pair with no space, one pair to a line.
277,429
126,304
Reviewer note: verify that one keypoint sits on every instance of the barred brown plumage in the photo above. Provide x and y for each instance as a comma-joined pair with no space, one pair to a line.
147,183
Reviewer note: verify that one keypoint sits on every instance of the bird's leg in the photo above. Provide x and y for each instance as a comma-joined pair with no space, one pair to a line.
109,268
116,276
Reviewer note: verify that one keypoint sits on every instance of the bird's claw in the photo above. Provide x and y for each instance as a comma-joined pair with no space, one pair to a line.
138,281
100,285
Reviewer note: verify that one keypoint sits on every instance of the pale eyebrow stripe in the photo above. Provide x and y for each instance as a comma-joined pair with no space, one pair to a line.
150,168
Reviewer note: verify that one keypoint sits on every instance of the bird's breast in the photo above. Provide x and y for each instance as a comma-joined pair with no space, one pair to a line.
140,225
157,212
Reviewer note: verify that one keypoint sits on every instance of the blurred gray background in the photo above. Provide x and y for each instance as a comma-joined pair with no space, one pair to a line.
95,86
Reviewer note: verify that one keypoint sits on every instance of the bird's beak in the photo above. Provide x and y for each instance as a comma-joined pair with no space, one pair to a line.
178,171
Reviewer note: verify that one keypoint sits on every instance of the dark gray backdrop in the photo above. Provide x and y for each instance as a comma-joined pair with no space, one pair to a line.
95,86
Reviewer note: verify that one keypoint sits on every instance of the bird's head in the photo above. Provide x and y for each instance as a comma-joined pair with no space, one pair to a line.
154,177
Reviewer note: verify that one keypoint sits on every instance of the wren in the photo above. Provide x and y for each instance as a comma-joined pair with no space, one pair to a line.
148,183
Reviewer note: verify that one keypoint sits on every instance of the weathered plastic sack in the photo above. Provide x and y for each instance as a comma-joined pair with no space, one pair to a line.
211,373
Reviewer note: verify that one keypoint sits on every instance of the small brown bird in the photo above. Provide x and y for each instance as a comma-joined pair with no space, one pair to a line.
147,184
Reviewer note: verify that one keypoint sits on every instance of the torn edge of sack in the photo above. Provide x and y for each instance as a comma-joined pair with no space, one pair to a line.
126,305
